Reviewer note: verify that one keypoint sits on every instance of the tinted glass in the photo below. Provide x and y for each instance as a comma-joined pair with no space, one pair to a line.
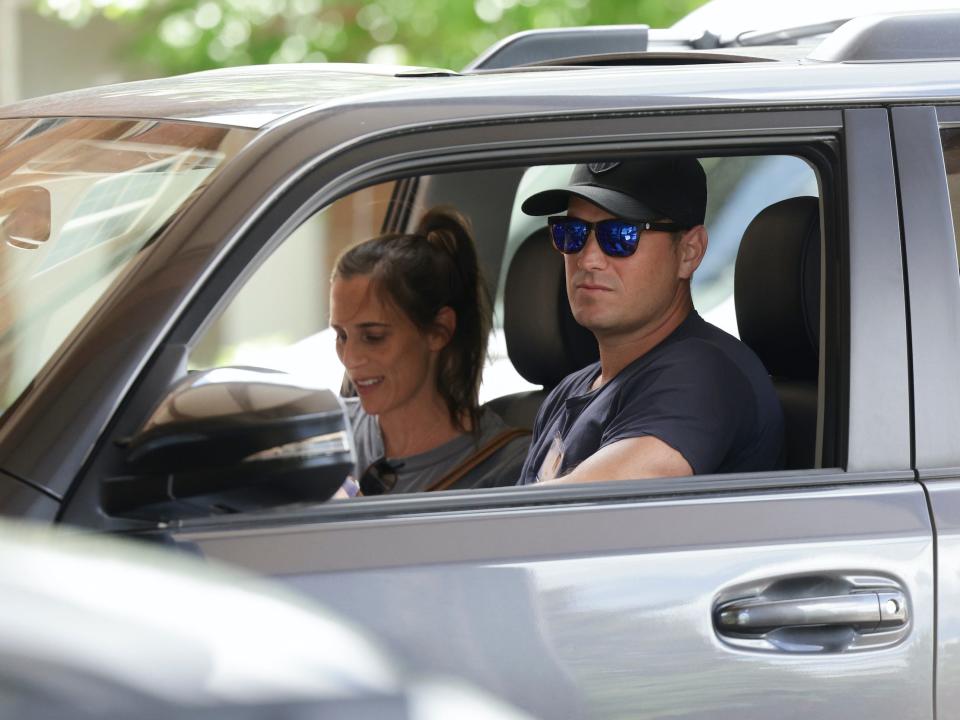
951,156
79,198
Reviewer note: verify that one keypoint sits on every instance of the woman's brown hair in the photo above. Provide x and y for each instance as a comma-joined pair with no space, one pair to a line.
421,272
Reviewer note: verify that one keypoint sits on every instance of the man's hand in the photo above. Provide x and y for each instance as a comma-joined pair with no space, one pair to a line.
632,459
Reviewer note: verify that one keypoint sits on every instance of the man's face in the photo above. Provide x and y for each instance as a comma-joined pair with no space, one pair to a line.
613,296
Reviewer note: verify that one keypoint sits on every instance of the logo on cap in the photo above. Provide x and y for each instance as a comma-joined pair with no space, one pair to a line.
598,168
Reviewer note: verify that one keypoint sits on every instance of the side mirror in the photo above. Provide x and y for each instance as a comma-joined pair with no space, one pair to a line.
26,216
233,439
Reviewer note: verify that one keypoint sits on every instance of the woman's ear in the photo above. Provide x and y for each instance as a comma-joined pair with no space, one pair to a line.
444,325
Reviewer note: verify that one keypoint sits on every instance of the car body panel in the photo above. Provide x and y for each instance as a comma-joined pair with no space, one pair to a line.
491,565
248,97
259,97
877,318
21,499
931,258
606,608
731,17
944,493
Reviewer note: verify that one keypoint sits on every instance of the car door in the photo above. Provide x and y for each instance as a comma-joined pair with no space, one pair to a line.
926,139
783,594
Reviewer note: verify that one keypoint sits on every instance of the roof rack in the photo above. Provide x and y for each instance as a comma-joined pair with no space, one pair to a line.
537,46
786,36
903,37
899,37
652,57
624,44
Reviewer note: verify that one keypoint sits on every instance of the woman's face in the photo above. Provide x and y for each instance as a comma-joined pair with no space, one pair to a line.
388,359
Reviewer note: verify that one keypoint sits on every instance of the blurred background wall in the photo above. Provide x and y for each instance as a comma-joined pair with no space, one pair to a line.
40,54
48,46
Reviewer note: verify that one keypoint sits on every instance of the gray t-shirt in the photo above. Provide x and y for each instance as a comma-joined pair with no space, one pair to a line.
416,473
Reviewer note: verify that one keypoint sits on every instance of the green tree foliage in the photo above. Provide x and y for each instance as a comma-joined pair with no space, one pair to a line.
176,36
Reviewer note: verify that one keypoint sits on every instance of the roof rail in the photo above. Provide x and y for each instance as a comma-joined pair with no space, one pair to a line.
535,46
787,36
901,37
632,45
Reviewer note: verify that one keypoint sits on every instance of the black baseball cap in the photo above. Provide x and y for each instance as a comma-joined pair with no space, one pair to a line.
674,188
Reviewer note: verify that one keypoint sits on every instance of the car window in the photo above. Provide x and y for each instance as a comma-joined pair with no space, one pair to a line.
78,200
279,319
951,157
738,189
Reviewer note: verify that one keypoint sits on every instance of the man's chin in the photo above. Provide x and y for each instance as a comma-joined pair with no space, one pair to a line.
593,321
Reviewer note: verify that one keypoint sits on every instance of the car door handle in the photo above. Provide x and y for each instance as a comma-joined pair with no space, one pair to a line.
863,611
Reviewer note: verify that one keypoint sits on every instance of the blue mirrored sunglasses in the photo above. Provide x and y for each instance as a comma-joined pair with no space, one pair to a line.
616,238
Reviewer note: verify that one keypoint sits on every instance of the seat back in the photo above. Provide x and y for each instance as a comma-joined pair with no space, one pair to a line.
544,342
777,293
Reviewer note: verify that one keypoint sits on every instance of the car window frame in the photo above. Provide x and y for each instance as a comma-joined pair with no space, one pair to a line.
930,257
493,145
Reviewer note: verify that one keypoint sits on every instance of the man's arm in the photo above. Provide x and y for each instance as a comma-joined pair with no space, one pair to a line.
629,459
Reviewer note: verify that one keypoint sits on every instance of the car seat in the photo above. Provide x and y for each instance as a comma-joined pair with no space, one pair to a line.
777,293
544,342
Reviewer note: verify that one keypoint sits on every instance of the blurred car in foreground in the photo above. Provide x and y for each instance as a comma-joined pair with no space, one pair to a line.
98,627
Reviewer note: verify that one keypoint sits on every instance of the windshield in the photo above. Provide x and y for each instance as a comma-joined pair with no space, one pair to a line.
79,198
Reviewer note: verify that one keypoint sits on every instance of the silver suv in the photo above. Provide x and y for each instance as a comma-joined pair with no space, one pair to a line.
167,368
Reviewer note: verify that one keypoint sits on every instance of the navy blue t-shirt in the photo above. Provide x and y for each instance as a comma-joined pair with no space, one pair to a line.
701,391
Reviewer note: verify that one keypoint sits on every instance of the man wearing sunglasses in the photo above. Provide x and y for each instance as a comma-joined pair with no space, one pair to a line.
671,395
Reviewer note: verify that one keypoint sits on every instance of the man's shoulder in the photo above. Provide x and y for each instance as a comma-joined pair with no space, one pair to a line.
704,353
707,348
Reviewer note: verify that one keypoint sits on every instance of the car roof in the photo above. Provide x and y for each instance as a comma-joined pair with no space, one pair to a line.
729,18
257,96
248,96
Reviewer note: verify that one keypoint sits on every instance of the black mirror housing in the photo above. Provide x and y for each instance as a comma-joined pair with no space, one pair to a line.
234,439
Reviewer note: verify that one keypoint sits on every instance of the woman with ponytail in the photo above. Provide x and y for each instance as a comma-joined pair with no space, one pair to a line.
412,315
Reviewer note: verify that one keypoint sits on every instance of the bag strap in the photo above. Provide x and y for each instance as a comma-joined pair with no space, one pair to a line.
496,442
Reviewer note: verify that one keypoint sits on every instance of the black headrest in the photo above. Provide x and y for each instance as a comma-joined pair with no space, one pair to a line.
777,287
544,342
